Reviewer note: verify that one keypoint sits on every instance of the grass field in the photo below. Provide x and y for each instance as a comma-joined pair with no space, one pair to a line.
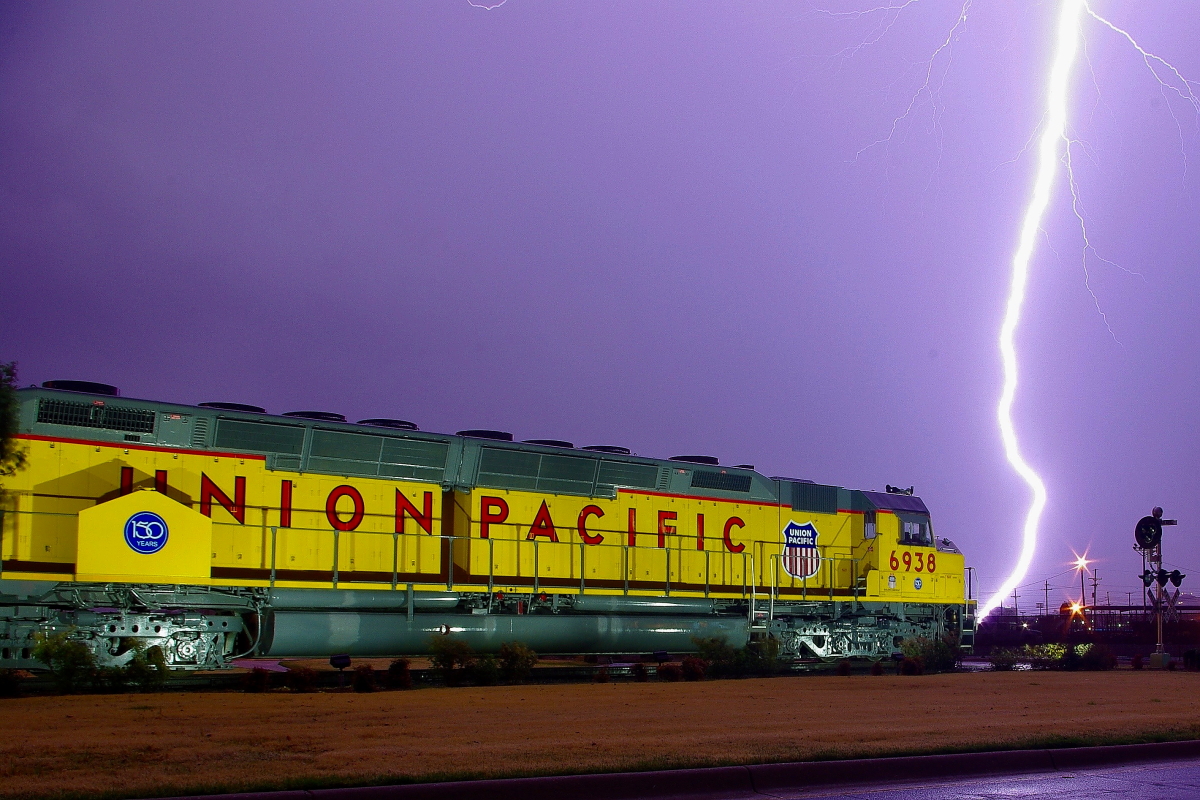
142,745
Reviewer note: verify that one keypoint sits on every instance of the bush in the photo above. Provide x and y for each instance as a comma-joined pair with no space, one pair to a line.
1191,659
302,679
71,662
10,682
1098,657
256,680
364,678
877,668
936,655
147,670
484,670
1002,659
1044,656
640,673
694,669
516,661
398,674
449,657
911,666
670,672
111,679
842,668
760,657
1138,661
600,675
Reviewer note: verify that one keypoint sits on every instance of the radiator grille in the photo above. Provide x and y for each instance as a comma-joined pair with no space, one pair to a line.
703,479
95,415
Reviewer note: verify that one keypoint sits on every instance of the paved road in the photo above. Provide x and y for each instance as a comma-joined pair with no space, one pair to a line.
1163,781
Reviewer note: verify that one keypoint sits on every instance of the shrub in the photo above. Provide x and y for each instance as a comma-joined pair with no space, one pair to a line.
762,656
484,670
1002,659
640,673
398,674
71,662
912,666
600,675
694,669
1171,664
1098,657
1044,656
302,679
147,670
256,680
516,661
10,682
877,668
364,678
111,679
936,655
670,672
842,668
1138,661
449,657
1191,659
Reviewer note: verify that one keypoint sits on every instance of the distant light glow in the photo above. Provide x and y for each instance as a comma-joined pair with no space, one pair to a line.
1053,133
1081,562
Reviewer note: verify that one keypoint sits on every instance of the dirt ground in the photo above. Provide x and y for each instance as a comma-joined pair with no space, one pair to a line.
144,745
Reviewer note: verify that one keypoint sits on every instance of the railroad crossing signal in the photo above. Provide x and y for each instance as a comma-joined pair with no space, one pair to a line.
1148,535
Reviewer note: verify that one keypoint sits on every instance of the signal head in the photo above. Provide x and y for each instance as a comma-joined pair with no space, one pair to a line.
1157,512
1148,532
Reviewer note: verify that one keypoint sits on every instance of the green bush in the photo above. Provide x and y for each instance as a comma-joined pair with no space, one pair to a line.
1003,659
147,669
301,679
877,668
759,657
71,663
1043,656
449,657
516,661
936,655
364,678
398,674
842,668
1098,657
640,673
600,675
911,666
484,670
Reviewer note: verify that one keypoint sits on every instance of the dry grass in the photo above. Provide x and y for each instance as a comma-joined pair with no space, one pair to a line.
146,745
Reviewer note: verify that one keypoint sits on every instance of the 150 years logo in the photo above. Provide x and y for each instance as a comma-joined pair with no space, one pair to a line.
146,532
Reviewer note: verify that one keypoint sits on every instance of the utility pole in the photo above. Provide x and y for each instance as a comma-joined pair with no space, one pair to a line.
1047,606
1016,612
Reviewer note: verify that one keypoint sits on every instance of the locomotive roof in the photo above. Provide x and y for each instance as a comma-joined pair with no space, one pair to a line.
305,444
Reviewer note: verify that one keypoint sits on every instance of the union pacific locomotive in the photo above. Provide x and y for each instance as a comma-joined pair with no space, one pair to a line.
219,531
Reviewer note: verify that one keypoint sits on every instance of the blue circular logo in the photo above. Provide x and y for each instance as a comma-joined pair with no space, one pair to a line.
917,584
146,532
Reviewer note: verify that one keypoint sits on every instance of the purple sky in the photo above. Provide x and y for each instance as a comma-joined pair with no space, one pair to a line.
627,223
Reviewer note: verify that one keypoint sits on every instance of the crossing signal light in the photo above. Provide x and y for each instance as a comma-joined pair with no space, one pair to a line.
1176,577
1147,578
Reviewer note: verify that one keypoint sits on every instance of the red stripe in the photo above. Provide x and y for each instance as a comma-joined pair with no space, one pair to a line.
134,446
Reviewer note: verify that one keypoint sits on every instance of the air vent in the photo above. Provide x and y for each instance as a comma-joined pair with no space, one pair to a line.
384,422
549,443
814,497
200,432
95,414
323,416
711,461
608,448
86,387
249,409
479,433
704,479
743,466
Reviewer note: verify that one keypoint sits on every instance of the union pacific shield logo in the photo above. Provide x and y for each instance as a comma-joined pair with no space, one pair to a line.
801,559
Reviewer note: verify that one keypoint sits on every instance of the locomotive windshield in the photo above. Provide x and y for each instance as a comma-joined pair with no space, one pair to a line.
916,529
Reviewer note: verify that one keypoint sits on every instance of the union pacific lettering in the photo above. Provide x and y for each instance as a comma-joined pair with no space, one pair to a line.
547,524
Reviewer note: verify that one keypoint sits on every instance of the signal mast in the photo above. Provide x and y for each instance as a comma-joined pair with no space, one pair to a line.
1148,535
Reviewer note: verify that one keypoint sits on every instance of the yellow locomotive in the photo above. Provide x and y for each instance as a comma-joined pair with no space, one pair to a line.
218,531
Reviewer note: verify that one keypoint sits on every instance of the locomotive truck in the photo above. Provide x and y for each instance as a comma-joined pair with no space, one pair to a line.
219,531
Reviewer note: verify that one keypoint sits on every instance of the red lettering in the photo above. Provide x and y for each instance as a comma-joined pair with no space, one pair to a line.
126,480
589,538
160,481
632,527
663,528
488,517
729,526
405,507
699,531
331,513
543,525
209,491
285,504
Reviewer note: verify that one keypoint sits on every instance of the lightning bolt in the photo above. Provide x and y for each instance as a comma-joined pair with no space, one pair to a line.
1049,148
